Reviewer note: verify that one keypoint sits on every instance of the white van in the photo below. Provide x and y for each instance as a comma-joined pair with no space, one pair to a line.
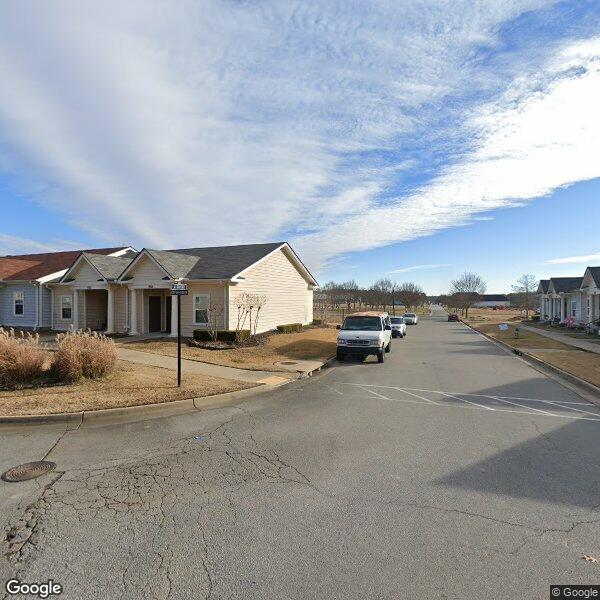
365,333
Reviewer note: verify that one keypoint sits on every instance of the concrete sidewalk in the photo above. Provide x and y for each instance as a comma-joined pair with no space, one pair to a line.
565,339
201,368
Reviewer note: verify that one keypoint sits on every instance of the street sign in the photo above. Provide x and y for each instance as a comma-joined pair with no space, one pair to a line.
179,289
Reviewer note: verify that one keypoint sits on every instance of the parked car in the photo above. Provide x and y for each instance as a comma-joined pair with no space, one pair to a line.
410,318
363,334
398,327
453,317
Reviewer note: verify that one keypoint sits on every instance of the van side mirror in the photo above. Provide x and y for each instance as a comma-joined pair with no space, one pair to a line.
338,326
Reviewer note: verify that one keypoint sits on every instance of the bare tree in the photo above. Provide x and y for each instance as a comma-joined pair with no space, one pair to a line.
249,307
466,290
410,294
382,292
215,312
525,292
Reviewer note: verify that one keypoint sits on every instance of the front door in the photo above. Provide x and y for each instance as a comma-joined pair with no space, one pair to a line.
154,314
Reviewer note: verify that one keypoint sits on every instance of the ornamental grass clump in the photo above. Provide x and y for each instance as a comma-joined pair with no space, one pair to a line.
21,358
83,354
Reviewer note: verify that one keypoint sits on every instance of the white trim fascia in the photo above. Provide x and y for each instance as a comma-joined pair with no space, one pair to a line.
81,257
123,251
143,252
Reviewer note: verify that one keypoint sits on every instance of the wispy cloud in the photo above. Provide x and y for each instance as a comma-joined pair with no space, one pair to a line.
193,123
589,259
10,244
417,268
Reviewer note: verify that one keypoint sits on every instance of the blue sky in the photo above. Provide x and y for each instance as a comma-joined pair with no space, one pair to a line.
404,139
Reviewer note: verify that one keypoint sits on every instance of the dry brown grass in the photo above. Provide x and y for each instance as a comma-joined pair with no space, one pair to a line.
83,354
310,344
585,365
128,385
489,315
526,339
21,358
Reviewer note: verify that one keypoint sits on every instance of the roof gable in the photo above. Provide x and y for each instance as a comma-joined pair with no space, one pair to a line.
564,284
29,267
543,286
107,268
591,277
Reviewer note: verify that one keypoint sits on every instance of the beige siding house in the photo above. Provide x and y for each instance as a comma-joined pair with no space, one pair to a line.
130,293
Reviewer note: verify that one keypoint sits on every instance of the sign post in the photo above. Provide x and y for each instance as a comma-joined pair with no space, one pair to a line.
179,289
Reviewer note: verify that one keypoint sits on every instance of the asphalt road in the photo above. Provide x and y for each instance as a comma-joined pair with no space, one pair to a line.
453,470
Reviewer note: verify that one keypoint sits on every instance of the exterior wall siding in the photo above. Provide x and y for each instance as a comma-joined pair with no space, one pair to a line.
30,315
121,307
289,299
216,293
46,311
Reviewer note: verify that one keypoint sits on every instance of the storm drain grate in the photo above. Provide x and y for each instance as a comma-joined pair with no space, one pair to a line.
27,471
288,362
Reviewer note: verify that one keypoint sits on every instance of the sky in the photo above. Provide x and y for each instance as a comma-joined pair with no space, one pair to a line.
404,139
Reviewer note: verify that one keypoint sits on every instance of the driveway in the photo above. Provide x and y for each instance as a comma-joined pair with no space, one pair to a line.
453,470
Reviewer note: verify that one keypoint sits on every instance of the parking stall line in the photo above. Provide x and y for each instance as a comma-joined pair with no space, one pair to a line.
544,412
587,412
457,398
405,391
373,392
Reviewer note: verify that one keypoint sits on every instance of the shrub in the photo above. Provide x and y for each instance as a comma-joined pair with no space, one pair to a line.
317,322
535,317
223,335
289,328
21,358
83,354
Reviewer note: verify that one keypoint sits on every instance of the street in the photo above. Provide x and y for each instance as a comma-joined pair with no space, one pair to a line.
453,470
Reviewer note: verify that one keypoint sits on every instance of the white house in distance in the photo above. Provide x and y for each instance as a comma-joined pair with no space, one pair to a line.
491,300
131,293
576,298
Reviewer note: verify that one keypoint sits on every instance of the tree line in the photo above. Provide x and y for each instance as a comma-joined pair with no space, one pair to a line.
382,294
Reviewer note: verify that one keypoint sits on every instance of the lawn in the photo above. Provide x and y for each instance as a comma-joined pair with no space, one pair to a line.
489,315
574,333
526,339
318,343
585,365
128,385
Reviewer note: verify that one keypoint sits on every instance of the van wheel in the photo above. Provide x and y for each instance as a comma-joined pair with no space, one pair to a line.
380,356
340,356
388,348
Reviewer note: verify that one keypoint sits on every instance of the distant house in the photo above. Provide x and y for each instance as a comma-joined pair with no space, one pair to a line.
25,296
573,298
491,300
131,293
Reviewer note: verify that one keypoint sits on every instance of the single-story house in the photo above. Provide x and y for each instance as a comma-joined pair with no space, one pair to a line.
576,298
131,293
490,300
25,295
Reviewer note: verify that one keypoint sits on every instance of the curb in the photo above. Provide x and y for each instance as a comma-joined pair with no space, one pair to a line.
145,411
574,381
305,374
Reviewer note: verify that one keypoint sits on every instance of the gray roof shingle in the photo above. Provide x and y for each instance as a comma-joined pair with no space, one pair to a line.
219,262
544,283
566,284
110,267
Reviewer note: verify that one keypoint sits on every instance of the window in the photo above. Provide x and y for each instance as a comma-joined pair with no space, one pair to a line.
573,308
201,309
66,307
19,303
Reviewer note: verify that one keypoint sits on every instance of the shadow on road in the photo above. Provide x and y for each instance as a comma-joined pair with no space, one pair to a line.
559,466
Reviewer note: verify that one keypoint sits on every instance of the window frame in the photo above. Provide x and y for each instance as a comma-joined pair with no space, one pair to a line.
194,321
16,295
62,307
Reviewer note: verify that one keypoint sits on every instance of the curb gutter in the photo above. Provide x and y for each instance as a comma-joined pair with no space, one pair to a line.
145,411
540,365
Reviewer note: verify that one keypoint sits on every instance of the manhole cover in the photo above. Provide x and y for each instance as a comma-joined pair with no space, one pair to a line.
288,362
29,470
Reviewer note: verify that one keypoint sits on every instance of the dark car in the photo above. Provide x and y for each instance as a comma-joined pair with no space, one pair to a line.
453,317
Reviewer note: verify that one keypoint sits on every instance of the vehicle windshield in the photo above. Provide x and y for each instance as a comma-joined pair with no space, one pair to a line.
397,320
362,324
410,315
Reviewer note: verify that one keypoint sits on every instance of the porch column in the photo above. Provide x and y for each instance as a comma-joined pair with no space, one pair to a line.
110,311
75,309
133,325
562,308
173,317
